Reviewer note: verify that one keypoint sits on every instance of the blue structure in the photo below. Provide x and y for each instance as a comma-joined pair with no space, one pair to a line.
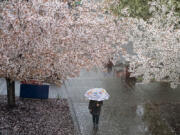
34,91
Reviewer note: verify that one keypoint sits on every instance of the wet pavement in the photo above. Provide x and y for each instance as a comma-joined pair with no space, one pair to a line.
124,113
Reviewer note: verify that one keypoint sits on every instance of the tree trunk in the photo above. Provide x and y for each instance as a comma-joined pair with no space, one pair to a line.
10,92
109,66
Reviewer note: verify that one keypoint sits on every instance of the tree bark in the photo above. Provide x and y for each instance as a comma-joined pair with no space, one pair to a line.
10,92
109,66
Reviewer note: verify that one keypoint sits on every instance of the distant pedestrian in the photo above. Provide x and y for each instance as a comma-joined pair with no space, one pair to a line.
95,109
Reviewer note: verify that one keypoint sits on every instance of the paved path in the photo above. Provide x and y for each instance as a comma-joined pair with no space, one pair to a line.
122,113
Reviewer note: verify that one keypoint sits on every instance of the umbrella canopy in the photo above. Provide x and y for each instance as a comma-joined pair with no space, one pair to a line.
97,94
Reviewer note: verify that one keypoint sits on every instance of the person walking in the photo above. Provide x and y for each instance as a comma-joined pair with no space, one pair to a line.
96,97
95,109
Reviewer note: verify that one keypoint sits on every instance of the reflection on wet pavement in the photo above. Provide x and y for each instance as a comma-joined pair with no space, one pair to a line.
133,109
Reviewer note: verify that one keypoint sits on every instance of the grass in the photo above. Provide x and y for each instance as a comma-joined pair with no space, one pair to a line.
139,8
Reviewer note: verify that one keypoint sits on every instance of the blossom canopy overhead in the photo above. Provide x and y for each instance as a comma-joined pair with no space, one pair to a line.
47,41
44,40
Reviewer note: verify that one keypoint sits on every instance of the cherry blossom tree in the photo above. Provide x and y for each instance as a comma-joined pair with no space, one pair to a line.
46,41
157,45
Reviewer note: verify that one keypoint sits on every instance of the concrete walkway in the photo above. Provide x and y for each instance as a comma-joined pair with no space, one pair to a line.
122,113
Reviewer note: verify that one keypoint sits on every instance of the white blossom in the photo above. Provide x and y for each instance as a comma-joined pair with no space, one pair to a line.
44,40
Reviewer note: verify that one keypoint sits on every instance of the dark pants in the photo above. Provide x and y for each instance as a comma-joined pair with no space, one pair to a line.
95,118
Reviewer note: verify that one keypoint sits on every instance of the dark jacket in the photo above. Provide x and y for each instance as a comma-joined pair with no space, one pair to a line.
93,108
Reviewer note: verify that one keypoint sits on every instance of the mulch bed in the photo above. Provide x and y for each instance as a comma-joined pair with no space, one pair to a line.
36,117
